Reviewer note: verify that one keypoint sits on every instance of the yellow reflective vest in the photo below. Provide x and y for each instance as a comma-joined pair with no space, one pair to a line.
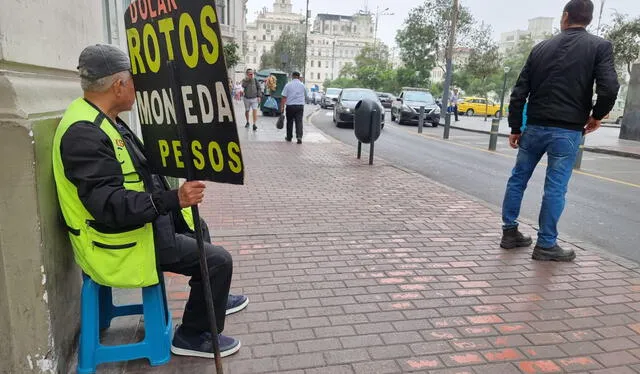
123,259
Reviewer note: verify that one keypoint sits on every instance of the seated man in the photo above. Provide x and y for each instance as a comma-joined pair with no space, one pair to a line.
125,223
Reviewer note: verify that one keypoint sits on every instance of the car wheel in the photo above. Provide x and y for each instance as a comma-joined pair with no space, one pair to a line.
434,124
497,115
393,118
470,112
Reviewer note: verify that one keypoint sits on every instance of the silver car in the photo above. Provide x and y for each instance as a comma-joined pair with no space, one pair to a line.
327,98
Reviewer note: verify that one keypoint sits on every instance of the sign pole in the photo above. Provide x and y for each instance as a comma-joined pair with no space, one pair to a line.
204,268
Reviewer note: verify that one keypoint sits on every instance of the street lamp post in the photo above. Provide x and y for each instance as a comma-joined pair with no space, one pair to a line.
333,59
504,90
306,31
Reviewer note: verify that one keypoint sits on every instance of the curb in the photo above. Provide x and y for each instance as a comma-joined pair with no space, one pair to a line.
612,152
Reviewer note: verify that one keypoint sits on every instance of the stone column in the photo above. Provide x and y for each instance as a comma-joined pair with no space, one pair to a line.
40,41
630,129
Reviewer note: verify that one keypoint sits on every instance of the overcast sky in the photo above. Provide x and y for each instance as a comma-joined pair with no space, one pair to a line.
502,15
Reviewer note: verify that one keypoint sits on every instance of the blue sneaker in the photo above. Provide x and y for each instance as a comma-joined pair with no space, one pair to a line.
236,303
187,343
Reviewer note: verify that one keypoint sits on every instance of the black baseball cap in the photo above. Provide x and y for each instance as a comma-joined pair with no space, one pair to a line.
101,60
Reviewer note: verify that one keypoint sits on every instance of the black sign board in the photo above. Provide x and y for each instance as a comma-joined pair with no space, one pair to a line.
182,89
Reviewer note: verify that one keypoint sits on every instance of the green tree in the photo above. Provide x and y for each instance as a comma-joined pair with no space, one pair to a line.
484,62
424,38
231,55
625,37
287,53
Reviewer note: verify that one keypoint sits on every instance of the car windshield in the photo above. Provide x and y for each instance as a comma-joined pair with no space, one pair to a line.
357,95
333,91
423,97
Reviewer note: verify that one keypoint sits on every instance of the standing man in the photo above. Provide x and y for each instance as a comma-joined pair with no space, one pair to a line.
293,96
252,94
558,80
454,103
125,224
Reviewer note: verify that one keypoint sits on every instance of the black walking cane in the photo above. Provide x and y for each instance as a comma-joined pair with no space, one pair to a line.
204,268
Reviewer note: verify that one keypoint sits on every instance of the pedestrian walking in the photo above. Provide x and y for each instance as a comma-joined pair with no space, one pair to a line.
252,95
454,103
124,222
293,97
557,80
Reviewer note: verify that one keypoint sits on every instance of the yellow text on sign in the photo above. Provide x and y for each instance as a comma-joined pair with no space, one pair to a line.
210,155
196,40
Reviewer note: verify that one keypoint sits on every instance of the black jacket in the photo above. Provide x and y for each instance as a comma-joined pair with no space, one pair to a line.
90,163
558,78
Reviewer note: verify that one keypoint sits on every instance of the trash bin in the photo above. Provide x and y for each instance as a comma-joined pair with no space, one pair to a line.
366,123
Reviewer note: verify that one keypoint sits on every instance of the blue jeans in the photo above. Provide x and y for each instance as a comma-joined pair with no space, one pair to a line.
561,147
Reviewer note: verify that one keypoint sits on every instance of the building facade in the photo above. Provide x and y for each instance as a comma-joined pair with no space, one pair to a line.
539,29
333,40
267,28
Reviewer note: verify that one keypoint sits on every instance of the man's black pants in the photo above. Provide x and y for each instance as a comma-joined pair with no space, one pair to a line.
220,272
294,113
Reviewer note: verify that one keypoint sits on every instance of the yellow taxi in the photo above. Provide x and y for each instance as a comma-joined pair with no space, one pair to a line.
478,105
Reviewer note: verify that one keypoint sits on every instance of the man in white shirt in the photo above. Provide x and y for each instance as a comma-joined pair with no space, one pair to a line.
293,96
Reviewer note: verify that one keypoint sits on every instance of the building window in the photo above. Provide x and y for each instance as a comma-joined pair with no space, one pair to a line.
271,37
311,63
318,76
264,26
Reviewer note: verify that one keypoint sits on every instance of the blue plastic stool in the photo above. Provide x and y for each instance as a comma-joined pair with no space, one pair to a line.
97,311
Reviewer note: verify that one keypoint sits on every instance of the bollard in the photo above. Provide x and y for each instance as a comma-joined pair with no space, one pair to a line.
420,119
493,137
578,163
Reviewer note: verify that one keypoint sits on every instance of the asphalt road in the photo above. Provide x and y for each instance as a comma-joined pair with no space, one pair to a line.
603,206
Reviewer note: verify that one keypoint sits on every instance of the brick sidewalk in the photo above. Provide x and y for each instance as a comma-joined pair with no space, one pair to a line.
352,268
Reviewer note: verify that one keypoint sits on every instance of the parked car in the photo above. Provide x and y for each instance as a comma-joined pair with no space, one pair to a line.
345,103
406,108
386,99
327,98
478,105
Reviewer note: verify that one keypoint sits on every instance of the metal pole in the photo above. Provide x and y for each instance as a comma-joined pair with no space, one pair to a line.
493,137
578,163
359,149
204,268
420,119
504,92
333,59
449,75
306,32
371,140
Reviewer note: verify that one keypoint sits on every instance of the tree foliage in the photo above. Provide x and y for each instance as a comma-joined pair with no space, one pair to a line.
231,55
424,38
286,54
484,63
625,37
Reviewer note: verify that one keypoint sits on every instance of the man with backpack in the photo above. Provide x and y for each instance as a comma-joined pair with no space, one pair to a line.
252,94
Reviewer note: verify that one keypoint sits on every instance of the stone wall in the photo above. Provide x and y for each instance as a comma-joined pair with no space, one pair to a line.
40,41
630,129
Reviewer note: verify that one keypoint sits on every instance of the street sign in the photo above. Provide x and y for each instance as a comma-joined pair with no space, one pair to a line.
182,90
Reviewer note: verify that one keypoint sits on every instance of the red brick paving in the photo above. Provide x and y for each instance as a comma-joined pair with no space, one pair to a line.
352,268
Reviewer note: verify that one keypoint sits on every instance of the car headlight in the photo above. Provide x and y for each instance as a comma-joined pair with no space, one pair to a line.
437,110
406,108
347,110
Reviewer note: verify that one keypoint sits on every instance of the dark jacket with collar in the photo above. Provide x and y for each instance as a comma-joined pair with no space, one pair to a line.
90,163
558,80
